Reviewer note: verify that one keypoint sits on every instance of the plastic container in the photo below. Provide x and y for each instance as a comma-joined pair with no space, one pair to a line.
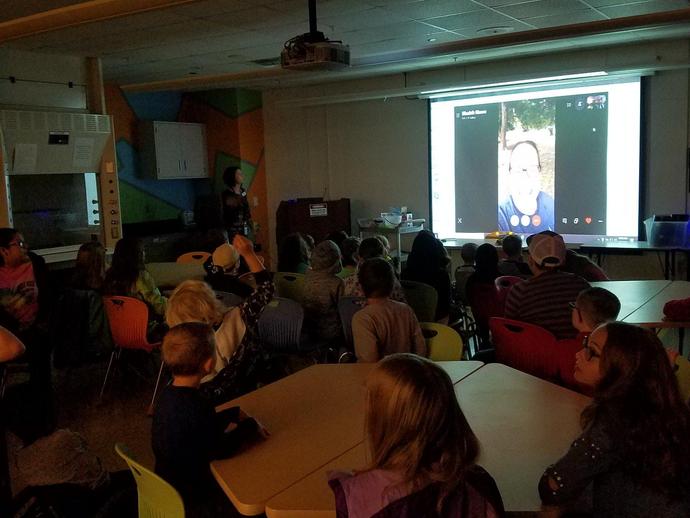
671,231
391,219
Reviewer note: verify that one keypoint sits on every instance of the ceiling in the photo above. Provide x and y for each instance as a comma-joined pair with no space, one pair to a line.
242,38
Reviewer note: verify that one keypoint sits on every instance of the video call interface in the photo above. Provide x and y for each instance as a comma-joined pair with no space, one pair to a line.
561,159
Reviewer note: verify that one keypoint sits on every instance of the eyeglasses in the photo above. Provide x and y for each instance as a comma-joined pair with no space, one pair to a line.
589,352
20,244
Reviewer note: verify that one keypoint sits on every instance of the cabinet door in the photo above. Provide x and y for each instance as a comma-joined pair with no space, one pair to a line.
193,146
168,155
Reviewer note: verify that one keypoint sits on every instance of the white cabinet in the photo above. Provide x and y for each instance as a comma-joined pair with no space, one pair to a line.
173,150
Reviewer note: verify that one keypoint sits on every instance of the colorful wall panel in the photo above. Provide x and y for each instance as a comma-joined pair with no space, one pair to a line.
234,132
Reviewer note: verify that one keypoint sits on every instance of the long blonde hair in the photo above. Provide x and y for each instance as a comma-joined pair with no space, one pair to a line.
414,424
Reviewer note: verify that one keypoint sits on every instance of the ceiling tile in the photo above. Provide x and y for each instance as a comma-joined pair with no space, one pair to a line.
201,9
555,20
368,18
483,18
541,8
644,8
432,8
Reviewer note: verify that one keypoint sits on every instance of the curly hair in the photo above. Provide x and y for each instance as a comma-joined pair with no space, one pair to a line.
638,398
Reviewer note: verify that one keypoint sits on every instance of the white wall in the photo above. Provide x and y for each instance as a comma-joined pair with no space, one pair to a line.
321,140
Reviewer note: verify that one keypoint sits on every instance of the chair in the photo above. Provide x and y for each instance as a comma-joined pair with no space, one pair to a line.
683,376
422,298
229,300
193,257
526,347
128,318
347,307
280,325
485,303
564,358
504,284
289,285
443,342
156,497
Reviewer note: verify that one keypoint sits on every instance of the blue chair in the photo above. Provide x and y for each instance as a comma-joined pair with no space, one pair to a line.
347,307
280,326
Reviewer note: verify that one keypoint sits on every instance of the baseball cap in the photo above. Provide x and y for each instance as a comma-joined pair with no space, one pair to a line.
547,249
326,256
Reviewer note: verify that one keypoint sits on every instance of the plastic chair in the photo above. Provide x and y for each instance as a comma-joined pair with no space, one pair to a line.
422,298
193,257
156,497
280,325
526,347
229,300
683,376
485,303
289,285
443,342
564,357
347,307
128,318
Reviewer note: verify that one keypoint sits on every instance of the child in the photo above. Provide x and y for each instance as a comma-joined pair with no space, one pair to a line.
238,350
633,449
513,264
593,307
422,450
187,433
322,291
369,248
349,251
383,326
463,272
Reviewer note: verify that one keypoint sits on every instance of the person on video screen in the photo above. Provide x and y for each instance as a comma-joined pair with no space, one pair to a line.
527,209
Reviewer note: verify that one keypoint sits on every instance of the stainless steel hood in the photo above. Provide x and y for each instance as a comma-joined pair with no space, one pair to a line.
52,142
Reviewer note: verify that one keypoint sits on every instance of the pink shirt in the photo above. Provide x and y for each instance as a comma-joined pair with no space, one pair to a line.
19,293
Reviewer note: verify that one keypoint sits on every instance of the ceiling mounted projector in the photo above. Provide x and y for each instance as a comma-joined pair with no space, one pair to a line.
313,51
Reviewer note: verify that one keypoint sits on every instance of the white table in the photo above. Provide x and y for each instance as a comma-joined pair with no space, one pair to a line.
523,423
313,416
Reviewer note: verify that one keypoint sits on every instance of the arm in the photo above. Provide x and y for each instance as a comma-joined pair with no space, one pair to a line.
230,442
252,307
418,343
146,288
364,338
590,455
10,346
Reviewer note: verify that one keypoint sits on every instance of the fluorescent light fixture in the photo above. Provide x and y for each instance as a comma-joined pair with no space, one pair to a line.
445,92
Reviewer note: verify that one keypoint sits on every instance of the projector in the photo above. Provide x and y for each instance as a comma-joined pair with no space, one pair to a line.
300,54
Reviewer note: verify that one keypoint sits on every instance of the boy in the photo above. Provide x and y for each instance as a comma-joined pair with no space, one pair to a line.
383,326
187,433
513,264
464,271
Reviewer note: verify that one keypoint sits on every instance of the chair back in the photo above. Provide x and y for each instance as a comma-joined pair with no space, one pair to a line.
347,307
229,300
507,281
485,303
683,376
422,298
280,325
443,342
526,347
289,285
128,318
564,357
157,498
193,257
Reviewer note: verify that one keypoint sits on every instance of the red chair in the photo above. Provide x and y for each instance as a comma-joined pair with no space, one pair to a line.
485,303
564,357
525,347
504,283
128,319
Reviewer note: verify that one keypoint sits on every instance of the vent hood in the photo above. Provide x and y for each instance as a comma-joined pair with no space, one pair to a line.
53,142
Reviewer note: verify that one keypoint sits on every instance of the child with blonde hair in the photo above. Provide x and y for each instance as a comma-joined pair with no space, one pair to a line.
422,450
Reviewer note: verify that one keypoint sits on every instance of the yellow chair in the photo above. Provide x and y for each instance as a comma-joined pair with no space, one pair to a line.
157,498
289,285
683,376
193,257
443,342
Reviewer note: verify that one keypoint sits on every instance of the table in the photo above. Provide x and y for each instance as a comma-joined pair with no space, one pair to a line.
523,423
169,275
633,294
601,249
313,416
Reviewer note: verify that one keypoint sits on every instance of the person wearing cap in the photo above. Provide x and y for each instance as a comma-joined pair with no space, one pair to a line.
527,208
544,299
322,291
222,271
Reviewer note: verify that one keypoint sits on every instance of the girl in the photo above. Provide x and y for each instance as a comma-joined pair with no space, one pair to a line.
90,267
634,447
421,447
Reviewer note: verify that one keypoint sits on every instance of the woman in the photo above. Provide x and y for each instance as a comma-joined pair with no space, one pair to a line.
90,267
127,276
236,215
634,446
429,263
422,450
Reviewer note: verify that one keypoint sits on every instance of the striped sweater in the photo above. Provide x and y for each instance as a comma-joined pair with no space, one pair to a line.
543,300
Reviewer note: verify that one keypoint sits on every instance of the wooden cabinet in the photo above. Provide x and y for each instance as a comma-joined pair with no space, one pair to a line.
173,150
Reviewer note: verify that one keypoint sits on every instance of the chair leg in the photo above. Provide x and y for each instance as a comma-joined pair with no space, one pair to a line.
155,390
107,372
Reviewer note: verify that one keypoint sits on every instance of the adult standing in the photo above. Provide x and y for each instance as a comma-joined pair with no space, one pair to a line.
236,215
